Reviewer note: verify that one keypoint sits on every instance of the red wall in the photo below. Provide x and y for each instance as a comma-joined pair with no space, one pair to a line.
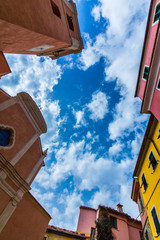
155,105
150,46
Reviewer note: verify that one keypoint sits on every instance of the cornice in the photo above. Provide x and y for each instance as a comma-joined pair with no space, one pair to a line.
33,112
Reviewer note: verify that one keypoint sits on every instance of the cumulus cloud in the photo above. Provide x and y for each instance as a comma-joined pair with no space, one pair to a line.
98,106
37,76
68,218
75,159
119,43
80,120
116,148
121,52
96,12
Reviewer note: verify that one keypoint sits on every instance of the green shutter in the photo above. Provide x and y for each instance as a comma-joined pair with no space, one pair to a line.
156,220
157,13
145,74
141,203
146,235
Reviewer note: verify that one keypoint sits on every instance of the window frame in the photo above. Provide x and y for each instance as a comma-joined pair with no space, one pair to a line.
144,73
113,222
55,9
145,188
141,203
11,138
146,235
158,233
155,21
154,158
158,83
70,22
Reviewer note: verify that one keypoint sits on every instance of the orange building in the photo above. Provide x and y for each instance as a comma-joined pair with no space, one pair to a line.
43,28
21,157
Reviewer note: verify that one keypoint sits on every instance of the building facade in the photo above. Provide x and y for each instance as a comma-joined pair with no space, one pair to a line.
146,176
53,31
137,196
54,233
21,157
123,226
148,83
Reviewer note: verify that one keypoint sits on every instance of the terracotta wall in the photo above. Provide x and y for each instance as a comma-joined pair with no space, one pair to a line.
28,222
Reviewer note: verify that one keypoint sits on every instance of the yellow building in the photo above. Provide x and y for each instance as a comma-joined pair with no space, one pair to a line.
147,177
56,233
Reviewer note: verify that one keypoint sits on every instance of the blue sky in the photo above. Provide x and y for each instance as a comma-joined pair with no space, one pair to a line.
94,126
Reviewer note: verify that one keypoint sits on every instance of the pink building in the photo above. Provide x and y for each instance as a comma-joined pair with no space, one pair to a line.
148,83
21,157
53,31
123,226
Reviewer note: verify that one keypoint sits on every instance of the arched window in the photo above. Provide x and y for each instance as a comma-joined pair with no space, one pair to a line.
55,9
157,13
6,137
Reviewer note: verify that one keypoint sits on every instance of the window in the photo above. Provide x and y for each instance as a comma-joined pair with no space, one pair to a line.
145,74
92,236
5,137
152,160
141,235
158,85
55,9
141,203
155,220
70,22
157,13
113,221
144,182
146,235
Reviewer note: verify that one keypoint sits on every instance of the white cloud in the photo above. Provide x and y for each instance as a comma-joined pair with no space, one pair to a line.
37,76
96,13
69,217
78,161
89,135
116,148
45,198
120,45
80,120
101,197
98,106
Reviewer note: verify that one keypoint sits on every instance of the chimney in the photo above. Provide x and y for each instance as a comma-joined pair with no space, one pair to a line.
119,207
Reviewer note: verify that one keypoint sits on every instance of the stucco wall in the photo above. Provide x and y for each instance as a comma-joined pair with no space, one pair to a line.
28,222
86,220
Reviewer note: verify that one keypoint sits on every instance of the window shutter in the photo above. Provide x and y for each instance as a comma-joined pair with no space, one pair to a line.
141,203
157,13
156,220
